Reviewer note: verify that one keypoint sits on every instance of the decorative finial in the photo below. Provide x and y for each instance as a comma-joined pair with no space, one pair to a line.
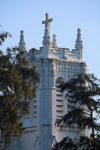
22,44
54,42
79,44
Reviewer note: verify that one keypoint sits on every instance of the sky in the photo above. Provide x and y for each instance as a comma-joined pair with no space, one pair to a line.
68,16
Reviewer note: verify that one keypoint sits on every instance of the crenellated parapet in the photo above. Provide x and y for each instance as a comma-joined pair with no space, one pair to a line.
52,50
49,51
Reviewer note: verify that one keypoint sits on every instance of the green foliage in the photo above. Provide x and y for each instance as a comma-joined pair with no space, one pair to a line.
66,144
87,143
83,92
17,85
3,36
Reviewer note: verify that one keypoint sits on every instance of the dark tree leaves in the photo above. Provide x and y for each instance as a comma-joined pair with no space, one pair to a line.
84,92
17,85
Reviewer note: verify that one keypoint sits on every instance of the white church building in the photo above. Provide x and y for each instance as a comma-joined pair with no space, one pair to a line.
55,65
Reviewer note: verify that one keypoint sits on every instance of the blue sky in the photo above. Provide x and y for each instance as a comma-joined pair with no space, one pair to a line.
68,15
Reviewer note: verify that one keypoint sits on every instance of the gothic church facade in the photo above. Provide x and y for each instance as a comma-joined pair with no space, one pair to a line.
55,65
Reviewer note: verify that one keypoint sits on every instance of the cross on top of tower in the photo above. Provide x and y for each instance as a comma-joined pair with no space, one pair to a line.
46,38
47,19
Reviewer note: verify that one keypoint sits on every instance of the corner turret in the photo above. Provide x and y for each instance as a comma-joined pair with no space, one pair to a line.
79,44
22,44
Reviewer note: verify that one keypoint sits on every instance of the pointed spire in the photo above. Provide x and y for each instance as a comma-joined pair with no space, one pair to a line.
79,42
22,44
54,42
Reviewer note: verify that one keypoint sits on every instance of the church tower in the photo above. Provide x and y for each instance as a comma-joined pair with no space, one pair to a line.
56,65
